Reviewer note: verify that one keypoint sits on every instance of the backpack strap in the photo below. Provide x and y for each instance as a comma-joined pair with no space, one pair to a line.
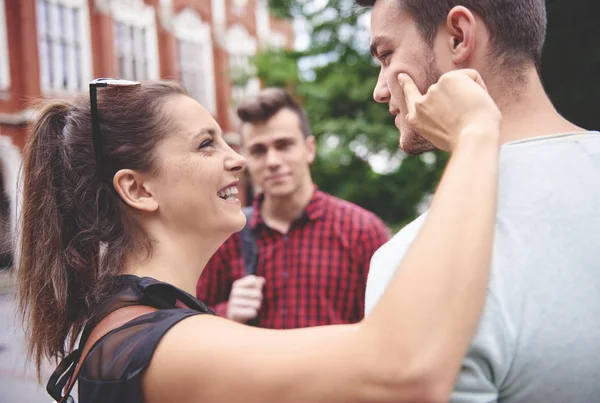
249,249
111,322
249,246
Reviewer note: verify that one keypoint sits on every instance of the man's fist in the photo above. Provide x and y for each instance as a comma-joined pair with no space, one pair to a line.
245,298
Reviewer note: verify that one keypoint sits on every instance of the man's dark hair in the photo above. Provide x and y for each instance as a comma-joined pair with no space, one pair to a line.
267,103
517,27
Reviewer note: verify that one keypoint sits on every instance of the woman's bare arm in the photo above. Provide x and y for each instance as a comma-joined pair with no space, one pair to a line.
408,350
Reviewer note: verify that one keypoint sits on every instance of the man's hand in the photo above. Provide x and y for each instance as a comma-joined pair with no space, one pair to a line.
245,298
458,102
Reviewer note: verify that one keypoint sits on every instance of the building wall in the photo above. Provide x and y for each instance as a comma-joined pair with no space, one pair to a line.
241,26
135,39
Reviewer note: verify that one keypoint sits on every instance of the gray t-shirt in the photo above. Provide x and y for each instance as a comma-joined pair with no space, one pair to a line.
538,340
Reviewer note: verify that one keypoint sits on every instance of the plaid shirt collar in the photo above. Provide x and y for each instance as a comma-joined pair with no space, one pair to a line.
313,211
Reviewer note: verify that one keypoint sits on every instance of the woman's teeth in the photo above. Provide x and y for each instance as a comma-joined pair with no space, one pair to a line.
227,193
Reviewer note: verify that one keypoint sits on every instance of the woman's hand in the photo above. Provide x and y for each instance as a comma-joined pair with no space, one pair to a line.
457,104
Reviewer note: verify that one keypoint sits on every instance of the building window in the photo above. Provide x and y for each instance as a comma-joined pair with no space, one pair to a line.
4,62
135,40
196,65
241,73
263,22
64,45
132,57
241,47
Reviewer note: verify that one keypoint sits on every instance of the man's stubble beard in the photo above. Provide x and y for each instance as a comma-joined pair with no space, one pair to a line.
410,141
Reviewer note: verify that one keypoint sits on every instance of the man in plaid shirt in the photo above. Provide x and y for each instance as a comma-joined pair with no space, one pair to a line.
314,249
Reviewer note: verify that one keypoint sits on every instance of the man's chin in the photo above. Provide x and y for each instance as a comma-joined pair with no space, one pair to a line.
279,190
414,144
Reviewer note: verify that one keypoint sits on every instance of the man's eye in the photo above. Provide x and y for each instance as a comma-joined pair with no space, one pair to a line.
207,143
385,57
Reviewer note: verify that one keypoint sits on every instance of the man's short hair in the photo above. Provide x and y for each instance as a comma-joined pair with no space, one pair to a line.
267,103
517,27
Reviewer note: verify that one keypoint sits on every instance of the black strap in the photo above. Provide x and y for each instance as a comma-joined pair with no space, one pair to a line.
249,249
249,246
65,376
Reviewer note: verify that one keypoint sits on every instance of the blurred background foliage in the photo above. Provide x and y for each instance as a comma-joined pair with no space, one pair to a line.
333,76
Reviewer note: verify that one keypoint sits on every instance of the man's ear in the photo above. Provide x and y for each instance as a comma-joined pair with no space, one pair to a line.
461,29
130,186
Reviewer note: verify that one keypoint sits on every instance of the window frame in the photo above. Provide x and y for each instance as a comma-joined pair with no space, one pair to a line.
189,28
137,14
80,64
240,44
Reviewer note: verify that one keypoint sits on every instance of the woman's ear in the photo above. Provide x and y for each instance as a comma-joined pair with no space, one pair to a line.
130,186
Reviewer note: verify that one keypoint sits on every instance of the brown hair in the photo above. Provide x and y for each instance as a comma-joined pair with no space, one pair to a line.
76,231
5,228
267,103
517,27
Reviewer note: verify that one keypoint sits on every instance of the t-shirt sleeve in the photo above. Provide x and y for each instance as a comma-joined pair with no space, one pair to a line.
487,364
385,261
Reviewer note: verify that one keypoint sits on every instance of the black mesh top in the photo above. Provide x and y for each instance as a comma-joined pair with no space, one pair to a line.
111,372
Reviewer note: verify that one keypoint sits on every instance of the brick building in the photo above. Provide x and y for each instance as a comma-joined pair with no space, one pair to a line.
53,48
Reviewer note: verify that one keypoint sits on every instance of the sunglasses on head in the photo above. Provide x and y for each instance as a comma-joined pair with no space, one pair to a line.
94,85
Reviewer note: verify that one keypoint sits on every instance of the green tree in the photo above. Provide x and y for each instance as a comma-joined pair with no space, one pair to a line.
351,129
334,79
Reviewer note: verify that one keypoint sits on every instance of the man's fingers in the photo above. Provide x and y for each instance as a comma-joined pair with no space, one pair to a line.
249,293
250,281
411,92
239,303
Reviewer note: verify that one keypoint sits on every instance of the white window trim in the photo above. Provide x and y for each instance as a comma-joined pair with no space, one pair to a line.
140,15
165,14
219,16
239,7
86,45
188,26
4,62
263,22
240,43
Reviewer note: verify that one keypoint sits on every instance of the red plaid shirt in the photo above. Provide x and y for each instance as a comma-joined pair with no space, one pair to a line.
315,274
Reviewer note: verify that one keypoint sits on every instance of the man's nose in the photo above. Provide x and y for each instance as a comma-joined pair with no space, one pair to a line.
272,158
381,93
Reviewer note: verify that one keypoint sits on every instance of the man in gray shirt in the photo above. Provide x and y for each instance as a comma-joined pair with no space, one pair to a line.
539,335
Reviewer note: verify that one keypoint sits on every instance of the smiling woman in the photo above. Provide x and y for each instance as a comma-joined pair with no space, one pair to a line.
102,171
126,197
